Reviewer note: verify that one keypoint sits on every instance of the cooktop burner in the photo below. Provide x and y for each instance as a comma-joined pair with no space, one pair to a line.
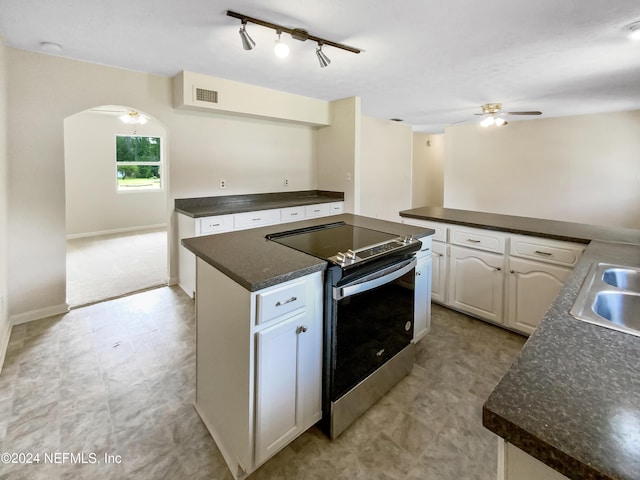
342,243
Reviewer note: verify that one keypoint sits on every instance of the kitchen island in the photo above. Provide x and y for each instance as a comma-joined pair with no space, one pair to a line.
571,399
260,333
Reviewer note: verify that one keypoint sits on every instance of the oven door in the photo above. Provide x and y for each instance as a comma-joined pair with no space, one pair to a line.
374,321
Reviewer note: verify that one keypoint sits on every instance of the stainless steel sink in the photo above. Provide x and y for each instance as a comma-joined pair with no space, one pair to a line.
619,307
625,278
610,297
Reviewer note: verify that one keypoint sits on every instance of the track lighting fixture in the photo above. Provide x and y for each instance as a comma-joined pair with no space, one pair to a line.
247,41
281,49
322,58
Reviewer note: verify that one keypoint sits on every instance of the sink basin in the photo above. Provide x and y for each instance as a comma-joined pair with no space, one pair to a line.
625,278
618,307
610,298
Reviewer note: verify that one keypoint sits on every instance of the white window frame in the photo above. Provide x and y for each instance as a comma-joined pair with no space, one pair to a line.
159,164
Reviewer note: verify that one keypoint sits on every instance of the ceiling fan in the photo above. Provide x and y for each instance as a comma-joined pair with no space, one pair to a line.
494,114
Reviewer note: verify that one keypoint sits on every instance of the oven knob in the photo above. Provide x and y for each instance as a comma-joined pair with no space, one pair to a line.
341,257
407,239
351,255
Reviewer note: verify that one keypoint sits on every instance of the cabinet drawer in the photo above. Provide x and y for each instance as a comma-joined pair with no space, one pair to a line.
440,228
275,303
291,214
217,224
546,250
320,210
478,238
336,207
260,218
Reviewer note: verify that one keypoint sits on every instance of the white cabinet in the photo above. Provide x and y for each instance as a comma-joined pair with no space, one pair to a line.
194,227
507,279
514,464
476,281
439,257
439,272
260,218
288,383
258,368
215,224
532,287
538,269
291,214
422,316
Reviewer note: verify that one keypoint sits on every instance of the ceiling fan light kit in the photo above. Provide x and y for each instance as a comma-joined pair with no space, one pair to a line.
633,30
133,118
281,49
493,115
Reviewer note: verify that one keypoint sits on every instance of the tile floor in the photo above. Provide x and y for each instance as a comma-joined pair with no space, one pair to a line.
117,378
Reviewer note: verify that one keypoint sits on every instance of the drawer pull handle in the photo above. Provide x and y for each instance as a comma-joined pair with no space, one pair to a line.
316,211
255,219
294,214
214,225
473,240
292,299
301,329
546,254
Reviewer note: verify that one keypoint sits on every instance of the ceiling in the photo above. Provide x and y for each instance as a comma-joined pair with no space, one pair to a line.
429,62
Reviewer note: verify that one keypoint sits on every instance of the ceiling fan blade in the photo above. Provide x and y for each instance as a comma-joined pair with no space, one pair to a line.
524,113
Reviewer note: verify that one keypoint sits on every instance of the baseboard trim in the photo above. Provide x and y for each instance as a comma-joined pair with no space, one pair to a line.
39,314
4,341
115,231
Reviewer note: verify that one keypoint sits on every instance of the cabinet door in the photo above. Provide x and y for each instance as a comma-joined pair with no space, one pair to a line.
532,288
277,414
439,272
422,316
476,282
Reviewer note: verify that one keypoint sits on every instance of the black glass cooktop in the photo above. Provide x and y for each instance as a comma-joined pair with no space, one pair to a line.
325,241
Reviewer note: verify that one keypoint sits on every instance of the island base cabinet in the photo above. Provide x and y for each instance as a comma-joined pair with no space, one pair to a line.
258,374
514,464
532,287
476,282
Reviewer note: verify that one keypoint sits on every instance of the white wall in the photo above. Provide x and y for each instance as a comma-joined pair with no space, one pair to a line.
5,326
93,203
582,168
252,155
338,151
385,168
427,176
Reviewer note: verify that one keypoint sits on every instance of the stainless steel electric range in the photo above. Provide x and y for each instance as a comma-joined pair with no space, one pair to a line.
368,314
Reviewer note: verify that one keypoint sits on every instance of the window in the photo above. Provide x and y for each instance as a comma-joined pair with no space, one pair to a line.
139,163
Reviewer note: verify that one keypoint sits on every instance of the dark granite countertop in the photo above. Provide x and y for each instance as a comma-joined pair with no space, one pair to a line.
569,231
256,263
572,397
222,205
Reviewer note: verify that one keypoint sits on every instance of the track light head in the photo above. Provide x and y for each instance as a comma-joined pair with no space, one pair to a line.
247,41
281,49
322,58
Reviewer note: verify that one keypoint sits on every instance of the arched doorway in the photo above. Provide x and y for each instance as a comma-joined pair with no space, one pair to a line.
116,203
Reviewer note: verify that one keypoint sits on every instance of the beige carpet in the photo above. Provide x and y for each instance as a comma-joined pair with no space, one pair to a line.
109,266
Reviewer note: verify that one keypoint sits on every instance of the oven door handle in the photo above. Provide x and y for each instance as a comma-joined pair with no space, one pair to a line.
373,280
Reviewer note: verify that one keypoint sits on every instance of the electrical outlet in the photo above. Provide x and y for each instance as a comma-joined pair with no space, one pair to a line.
223,184
285,182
